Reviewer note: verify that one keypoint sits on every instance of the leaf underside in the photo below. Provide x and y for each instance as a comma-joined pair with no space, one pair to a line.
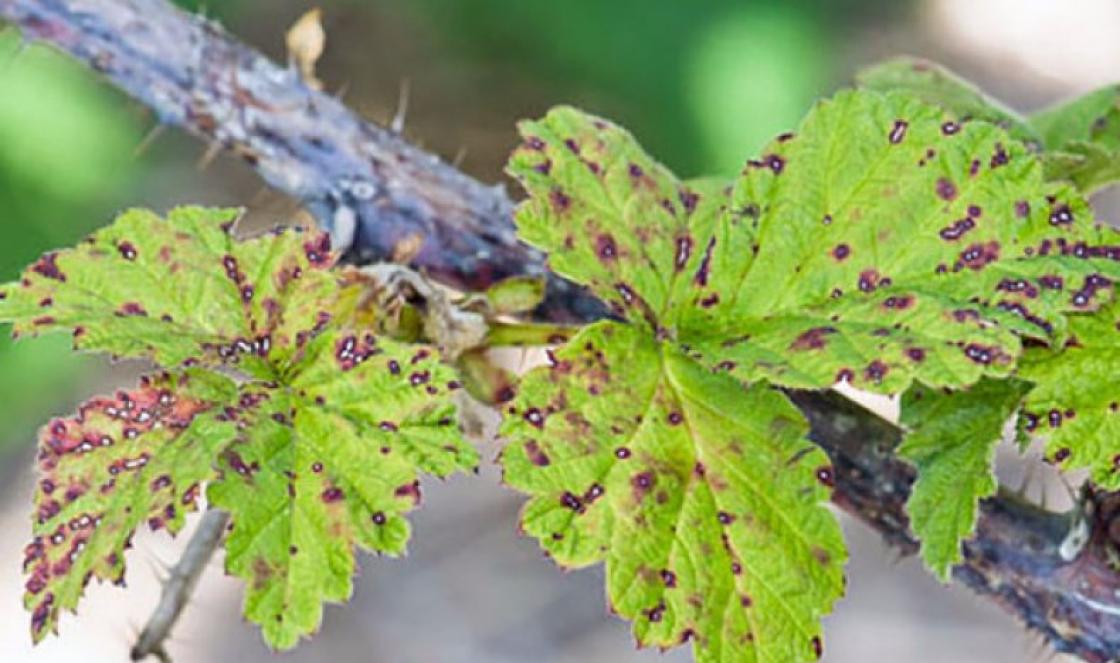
316,448
951,440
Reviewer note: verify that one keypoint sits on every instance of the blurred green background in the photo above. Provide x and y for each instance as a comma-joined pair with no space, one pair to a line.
702,83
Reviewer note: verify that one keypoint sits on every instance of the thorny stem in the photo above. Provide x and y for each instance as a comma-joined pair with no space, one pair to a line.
377,194
179,585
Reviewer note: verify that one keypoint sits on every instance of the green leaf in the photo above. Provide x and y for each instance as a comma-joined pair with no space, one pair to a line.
702,497
1083,136
139,456
316,449
611,217
891,242
951,440
1093,117
934,84
330,462
177,289
885,242
1075,405
1089,166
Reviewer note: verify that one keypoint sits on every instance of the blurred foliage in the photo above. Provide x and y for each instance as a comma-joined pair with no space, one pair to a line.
704,83
65,154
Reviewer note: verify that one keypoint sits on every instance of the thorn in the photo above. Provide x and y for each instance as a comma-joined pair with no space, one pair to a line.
1070,490
212,151
1028,476
397,124
460,156
342,90
149,138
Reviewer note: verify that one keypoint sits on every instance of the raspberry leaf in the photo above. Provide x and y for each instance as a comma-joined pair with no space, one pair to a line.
937,85
328,463
702,497
951,440
312,431
1075,405
180,290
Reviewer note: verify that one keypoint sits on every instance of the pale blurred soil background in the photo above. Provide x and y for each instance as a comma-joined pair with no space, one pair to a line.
703,84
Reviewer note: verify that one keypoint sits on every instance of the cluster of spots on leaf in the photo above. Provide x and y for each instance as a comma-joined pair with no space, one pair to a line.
67,459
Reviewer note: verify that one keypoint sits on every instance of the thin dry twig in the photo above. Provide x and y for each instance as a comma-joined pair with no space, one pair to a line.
179,585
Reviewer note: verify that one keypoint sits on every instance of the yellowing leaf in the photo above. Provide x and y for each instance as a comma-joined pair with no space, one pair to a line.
315,449
137,457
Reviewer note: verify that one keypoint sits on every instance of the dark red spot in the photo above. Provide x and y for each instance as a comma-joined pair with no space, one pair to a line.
898,131
534,417
232,272
332,494
606,248
318,251
1022,209
684,249
641,483
378,518
999,156
868,280
977,256
775,163
701,277
955,230
841,251
410,491
536,455
875,371
622,453
825,476
570,501
818,649
1061,454
669,578
949,128
916,354
1061,216
47,266
132,309
560,201
899,302
946,190
813,339
127,250
675,418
